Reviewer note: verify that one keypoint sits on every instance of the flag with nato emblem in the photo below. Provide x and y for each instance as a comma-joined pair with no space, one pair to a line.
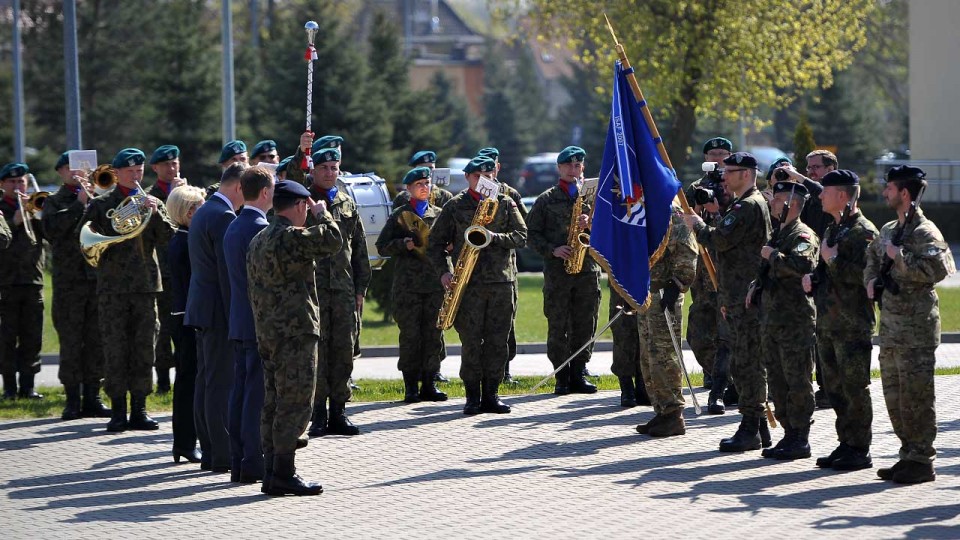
634,202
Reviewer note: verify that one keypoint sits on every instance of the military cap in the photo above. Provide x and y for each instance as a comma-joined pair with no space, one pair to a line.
282,166
905,172
64,159
423,156
232,148
799,190
288,189
326,154
167,152
573,154
262,147
717,142
489,152
128,157
13,170
840,177
743,159
776,165
327,141
480,164
416,174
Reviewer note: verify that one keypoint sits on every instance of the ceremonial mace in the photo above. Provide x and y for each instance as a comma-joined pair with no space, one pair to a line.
311,27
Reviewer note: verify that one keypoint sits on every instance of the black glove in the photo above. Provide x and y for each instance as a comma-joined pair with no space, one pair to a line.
669,296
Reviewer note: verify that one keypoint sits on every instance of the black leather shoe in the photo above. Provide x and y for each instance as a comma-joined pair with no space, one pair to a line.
578,383
72,409
429,390
643,429
338,423
628,397
92,406
192,456
139,419
913,472
472,406
746,438
562,385
118,417
826,462
285,481
302,442
318,422
411,392
438,377
787,438
797,448
855,460
26,387
715,406
888,472
490,399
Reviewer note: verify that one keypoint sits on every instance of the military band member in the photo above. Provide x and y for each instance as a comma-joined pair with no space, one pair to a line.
232,152
909,322
325,142
128,280
437,196
416,299
484,317
570,301
21,287
282,286
265,152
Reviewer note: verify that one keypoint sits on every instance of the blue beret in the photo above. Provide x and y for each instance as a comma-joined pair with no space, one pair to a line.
480,164
840,177
232,148
282,166
13,170
799,190
167,152
326,154
288,189
776,164
489,152
262,147
743,159
718,142
327,141
573,154
416,174
128,157
905,172
64,159
423,156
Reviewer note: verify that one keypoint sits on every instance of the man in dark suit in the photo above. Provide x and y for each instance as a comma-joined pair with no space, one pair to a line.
246,399
208,307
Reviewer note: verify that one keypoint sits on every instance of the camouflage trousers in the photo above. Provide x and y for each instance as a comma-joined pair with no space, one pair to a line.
788,355
626,340
483,322
512,336
338,326
129,338
746,367
908,389
21,326
164,350
75,316
289,381
421,342
845,361
662,375
571,305
703,329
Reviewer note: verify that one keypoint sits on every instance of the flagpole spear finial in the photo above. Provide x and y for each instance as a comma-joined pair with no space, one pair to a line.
610,27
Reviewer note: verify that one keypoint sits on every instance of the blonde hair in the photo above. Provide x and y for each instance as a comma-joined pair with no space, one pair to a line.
181,201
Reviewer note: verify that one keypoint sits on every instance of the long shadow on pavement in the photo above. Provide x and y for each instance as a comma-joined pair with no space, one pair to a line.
456,474
146,513
94,480
926,519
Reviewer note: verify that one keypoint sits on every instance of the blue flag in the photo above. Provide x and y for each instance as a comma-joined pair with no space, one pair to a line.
631,220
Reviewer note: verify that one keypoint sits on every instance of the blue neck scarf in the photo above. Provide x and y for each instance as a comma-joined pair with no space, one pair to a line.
420,207
570,188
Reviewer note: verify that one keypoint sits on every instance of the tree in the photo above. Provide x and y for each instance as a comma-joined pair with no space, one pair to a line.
502,116
803,143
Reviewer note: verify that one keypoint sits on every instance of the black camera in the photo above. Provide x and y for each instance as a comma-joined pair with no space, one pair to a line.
781,175
710,187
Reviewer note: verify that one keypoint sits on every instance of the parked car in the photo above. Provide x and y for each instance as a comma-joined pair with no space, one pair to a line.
538,173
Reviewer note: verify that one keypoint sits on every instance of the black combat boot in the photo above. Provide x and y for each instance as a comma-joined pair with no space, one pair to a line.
854,460
26,387
93,406
787,439
578,382
318,421
267,474
286,481
118,417
139,419
472,389
628,397
643,399
840,451
643,429
887,473
765,434
9,386
746,438
429,390
490,398
338,423
411,392
562,385
798,448
72,409
914,472
163,381
671,424
731,396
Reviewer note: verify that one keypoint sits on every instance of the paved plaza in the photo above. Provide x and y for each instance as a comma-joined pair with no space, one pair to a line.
557,467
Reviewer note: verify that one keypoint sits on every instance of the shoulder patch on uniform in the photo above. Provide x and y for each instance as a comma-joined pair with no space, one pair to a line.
933,251
729,220
803,247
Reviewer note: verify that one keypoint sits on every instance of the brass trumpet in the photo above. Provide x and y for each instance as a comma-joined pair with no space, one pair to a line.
103,177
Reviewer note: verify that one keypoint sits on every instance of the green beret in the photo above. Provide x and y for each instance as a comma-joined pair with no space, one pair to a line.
128,157
840,177
167,152
64,159
326,154
282,166
423,156
489,152
799,190
573,154
416,174
776,165
263,147
718,142
232,148
13,170
327,141
905,172
288,189
480,164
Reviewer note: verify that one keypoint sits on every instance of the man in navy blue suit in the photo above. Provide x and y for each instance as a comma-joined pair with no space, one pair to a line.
246,399
208,308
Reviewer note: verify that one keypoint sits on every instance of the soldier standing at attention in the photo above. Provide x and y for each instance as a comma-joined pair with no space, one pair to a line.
437,196
626,353
909,321
483,320
281,279
570,301
416,299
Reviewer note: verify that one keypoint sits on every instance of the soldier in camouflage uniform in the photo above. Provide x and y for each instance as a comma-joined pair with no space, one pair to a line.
909,322
74,296
626,352
437,196
570,301
342,281
281,274
737,240
128,280
845,320
21,288
483,320
788,320
416,299
672,274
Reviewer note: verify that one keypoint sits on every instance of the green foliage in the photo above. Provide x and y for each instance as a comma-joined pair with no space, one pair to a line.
803,143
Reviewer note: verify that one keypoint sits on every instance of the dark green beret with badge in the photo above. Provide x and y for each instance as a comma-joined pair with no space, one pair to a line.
263,147
741,159
326,154
489,152
64,159
232,148
777,164
282,166
128,157
13,170
718,142
167,152
423,156
416,174
480,164
840,177
572,154
327,141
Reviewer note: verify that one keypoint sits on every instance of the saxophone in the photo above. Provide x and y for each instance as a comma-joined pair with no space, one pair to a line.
476,237
578,240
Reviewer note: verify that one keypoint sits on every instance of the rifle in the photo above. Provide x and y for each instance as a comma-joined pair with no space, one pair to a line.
885,281
774,242
832,239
